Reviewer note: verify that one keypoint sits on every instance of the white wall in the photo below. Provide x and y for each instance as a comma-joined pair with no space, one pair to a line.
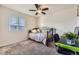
63,20
7,37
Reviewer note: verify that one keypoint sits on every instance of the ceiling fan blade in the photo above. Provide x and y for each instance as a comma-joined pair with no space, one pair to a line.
37,6
32,10
45,9
36,13
43,12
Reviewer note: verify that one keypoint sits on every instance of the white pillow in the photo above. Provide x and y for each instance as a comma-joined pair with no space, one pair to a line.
34,31
38,30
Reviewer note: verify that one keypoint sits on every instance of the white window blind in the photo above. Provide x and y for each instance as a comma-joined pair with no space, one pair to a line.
16,23
13,23
21,24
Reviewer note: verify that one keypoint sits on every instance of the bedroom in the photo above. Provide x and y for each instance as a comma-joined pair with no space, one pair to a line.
61,17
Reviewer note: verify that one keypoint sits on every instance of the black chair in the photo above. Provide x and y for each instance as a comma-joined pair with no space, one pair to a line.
56,37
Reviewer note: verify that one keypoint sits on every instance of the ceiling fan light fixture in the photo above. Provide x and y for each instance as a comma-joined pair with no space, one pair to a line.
39,11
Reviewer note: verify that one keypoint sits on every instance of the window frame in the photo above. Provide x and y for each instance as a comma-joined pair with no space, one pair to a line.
17,22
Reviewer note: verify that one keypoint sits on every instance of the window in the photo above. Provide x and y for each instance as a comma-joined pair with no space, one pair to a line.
20,24
13,23
16,23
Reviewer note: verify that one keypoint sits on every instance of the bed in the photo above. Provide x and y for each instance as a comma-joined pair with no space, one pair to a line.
41,35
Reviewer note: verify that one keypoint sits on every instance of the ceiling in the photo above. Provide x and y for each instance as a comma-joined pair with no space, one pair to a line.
24,8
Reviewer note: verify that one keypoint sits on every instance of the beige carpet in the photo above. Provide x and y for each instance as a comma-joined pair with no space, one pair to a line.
27,47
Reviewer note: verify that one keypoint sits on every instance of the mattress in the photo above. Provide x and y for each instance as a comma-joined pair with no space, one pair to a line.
39,37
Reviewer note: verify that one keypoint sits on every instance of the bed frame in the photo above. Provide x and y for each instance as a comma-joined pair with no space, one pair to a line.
51,32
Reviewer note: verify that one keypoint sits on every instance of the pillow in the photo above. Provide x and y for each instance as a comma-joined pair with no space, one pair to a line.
34,31
38,30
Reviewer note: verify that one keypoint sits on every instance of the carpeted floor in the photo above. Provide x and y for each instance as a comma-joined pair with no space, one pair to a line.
27,47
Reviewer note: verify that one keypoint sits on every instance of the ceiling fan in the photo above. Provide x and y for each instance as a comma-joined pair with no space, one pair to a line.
39,9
